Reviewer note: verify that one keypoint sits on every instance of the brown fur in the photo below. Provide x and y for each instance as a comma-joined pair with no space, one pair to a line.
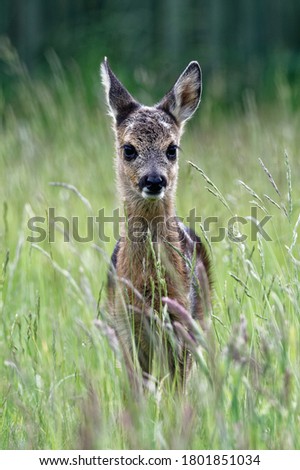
154,255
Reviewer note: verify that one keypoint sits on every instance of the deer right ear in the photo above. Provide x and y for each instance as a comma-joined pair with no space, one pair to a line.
184,98
119,101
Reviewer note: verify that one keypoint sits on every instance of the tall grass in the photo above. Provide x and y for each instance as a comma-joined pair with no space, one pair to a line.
64,382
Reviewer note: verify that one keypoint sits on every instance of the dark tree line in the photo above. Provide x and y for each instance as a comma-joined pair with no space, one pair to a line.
243,38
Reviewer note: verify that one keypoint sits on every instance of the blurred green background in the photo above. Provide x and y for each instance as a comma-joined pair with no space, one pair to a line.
240,44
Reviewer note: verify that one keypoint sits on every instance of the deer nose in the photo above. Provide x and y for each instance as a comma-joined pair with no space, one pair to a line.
153,184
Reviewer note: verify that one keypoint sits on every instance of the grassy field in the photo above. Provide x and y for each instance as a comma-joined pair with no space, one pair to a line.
63,382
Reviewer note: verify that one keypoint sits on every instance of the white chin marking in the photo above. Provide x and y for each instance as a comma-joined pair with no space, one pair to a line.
154,197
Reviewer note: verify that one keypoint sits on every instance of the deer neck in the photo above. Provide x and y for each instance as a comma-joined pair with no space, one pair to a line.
154,219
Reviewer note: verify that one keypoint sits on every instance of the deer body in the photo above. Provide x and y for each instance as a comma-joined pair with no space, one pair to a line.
154,257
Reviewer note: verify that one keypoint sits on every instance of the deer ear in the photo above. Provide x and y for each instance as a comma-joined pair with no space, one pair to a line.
119,101
184,98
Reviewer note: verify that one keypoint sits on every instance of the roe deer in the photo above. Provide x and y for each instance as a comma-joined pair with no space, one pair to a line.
157,256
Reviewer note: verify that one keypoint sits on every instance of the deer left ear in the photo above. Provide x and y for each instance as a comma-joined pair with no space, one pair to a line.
184,98
119,100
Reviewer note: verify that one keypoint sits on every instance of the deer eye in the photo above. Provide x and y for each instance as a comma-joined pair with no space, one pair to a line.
172,152
129,152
